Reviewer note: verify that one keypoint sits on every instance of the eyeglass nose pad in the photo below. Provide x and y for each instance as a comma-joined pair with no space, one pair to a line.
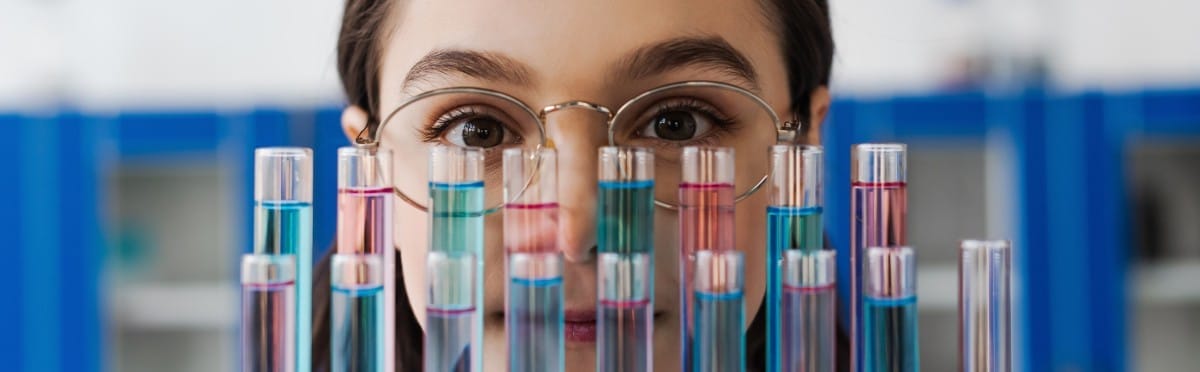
583,105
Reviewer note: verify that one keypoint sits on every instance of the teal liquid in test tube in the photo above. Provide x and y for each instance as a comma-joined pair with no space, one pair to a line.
625,240
283,226
720,341
890,310
454,328
534,302
795,189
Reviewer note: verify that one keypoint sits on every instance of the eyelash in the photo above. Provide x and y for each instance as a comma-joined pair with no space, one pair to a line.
692,104
434,132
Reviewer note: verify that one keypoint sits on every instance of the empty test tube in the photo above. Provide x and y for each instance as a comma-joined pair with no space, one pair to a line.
985,305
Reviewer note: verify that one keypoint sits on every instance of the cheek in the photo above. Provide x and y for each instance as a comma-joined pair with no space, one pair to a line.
410,229
751,237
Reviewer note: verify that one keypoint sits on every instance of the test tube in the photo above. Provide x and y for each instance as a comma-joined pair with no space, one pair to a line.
451,332
985,305
358,309
625,241
268,313
793,224
363,324
720,343
878,213
706,197
808,319
624,320
890,310
534,302
456,211
625,206
283,227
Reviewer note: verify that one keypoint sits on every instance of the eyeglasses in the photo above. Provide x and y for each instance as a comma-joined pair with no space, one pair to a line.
664,119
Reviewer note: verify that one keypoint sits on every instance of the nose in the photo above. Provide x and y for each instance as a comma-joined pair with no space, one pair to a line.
577,134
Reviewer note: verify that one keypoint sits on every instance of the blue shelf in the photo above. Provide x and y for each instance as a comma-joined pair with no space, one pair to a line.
1068,151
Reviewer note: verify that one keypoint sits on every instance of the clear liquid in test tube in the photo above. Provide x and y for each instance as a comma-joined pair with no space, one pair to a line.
534,302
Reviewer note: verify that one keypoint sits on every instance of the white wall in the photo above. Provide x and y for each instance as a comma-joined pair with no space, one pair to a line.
138,53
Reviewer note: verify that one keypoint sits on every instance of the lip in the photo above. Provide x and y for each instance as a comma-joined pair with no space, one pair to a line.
579,326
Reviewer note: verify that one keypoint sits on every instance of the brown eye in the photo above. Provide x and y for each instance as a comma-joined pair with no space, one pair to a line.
481,132
674,125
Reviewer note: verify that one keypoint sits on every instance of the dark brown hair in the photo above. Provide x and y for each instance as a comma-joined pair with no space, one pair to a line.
805,38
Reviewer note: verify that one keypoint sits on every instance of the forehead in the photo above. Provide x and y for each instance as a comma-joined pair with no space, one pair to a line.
569,46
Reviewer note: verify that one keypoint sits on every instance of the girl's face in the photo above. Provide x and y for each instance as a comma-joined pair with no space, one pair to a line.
546,52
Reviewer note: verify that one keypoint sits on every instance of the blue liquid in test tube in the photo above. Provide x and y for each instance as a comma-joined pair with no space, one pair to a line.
720,342
283,226
793,224
890,311
454,328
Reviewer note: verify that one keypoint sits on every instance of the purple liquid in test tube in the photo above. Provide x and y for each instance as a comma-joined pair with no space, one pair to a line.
268,313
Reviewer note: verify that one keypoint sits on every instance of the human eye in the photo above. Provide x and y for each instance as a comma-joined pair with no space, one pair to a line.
682,120
473,126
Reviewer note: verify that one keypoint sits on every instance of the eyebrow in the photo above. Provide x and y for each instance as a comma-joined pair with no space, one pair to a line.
712,53
476,64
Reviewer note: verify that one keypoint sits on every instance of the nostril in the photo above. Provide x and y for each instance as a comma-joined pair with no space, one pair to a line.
580,255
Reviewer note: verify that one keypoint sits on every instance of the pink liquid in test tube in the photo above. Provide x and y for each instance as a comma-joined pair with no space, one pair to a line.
879,209
705,223
534,292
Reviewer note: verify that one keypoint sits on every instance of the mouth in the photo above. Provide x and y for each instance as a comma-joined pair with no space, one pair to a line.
579,326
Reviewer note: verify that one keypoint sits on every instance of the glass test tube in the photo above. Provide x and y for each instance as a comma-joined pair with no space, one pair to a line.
283,227
809,304
890,310
720,343
705,223
878,211
268,313
985,305
454,337
534,302
451,333
624,320
625,241
363,331
793,223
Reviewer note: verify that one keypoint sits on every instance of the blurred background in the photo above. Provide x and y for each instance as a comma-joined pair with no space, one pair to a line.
1070,126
